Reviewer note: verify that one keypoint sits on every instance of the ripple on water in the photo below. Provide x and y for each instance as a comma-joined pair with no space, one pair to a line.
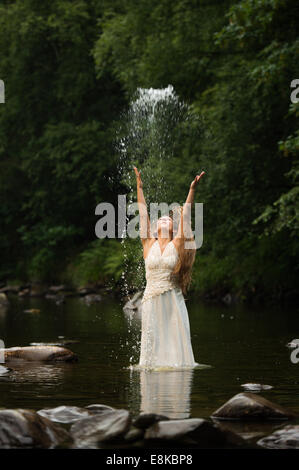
168,368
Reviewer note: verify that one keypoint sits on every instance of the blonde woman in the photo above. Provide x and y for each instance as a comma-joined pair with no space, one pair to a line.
165,335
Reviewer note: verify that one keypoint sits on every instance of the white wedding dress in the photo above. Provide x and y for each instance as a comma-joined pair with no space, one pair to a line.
165,335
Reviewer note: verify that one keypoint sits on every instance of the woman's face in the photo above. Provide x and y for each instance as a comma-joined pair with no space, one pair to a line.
165,226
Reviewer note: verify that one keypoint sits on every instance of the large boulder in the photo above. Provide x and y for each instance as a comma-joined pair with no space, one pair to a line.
250,406
110,426
191,431
26,429
39,353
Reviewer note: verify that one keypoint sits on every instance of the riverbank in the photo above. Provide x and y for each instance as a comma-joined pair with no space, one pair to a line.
93,292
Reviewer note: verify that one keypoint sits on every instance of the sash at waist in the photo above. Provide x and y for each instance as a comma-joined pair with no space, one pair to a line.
158,281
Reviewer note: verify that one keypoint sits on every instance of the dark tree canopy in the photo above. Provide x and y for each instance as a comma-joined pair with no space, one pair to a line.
70,70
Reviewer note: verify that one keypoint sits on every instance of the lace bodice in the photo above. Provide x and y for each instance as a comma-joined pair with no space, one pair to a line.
158,270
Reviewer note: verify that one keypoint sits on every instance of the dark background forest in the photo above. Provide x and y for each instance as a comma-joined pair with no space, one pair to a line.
70,70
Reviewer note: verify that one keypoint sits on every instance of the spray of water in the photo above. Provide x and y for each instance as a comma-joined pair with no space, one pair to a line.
148,137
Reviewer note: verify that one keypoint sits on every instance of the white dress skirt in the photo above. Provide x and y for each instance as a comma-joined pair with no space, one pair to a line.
165,334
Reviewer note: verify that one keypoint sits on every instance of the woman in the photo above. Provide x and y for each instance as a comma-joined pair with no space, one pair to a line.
165,336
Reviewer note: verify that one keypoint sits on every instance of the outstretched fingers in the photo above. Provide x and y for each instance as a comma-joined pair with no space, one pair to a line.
200,176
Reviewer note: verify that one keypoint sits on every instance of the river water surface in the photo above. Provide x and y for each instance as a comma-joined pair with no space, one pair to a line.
240,344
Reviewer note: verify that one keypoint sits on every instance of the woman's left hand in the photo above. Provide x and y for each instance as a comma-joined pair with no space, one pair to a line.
196,180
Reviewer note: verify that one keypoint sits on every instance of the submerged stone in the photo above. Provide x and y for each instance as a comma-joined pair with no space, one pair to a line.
249,406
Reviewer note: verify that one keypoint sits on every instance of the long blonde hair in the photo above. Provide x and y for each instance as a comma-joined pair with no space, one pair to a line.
183,268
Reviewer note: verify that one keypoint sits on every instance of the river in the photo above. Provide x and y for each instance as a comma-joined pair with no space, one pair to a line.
240,345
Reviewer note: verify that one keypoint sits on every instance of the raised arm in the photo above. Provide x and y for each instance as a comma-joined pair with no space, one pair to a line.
184,228
143,214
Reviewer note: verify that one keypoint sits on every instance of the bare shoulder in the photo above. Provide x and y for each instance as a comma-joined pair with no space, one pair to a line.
147,243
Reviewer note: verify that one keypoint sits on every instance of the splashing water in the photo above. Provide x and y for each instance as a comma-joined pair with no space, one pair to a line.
149,137
145,139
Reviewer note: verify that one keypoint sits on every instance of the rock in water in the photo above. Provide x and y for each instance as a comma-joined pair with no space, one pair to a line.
39,353
65,414
191,431
285,438
98,408
3,299
26,429
253,407
134,434
145,420
60,343
4,370
256,387
109,426
133,306
92,298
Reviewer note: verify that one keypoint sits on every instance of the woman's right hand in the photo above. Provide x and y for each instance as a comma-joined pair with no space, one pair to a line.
138,177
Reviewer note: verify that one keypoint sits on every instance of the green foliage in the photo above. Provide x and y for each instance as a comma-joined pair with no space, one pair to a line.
102,261
71,68
56,132
284,212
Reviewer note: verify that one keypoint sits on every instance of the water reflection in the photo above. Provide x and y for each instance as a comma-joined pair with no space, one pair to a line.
3,311
250,348
46,374
166,392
